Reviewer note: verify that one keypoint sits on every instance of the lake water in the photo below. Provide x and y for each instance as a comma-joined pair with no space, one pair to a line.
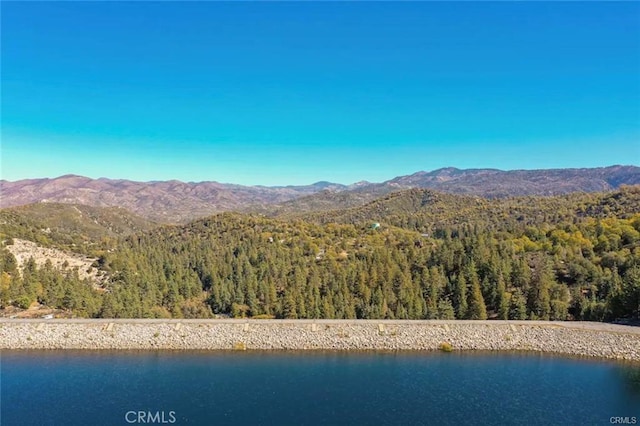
326,388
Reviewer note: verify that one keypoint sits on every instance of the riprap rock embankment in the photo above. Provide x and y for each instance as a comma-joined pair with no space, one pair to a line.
571,338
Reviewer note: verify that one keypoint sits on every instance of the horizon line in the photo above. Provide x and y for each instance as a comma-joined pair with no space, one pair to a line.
73,175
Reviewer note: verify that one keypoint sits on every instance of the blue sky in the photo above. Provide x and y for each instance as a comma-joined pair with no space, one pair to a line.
293,93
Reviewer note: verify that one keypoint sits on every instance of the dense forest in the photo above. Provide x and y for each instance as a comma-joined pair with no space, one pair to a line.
413,254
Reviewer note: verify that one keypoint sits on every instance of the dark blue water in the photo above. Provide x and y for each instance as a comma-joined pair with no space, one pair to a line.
275,388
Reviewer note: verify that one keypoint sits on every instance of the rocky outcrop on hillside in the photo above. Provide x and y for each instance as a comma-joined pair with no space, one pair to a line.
24,250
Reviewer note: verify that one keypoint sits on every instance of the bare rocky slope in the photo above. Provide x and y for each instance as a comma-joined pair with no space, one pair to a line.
24,250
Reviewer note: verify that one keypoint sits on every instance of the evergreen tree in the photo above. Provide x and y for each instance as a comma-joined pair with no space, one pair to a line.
518,308
477,308
460,297
502,301
445,310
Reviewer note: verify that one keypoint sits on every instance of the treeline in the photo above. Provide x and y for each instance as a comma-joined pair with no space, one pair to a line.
578,260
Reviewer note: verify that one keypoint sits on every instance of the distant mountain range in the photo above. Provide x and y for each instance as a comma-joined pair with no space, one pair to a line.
164,201
175,201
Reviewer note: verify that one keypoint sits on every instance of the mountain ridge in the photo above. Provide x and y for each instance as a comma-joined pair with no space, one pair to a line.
174,201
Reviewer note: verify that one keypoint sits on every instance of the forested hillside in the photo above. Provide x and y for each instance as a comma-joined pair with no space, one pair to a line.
414,254
424,209
73,227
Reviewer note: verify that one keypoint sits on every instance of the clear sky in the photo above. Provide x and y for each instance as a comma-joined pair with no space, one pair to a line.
292,93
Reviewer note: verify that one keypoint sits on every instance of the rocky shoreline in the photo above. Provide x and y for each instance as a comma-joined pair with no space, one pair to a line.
569,338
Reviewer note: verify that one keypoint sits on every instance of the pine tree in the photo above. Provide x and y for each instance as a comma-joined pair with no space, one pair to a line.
445,310
541,281
290,306
477,309
460,297
518,308
615,297
502,301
